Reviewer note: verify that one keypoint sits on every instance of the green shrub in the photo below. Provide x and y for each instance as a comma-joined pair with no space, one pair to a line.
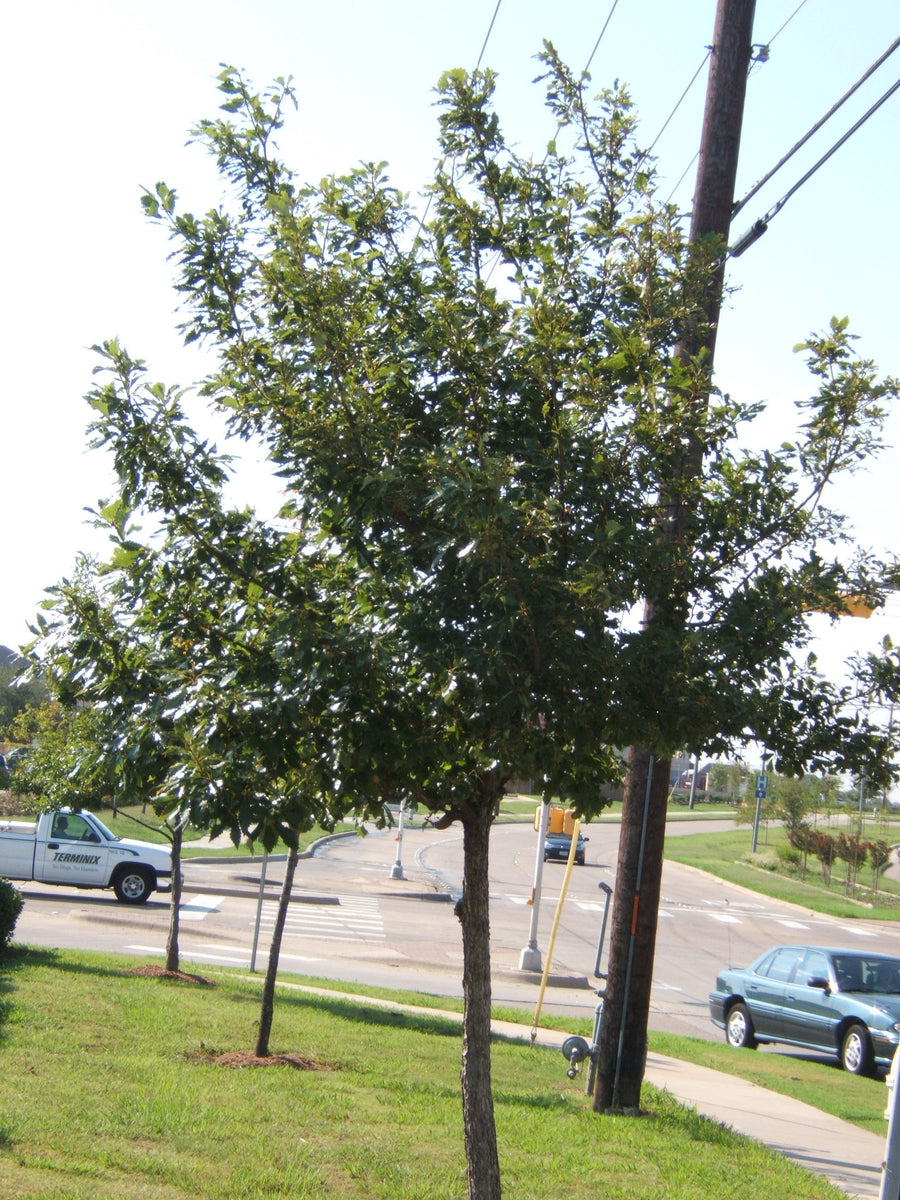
11,903
788,856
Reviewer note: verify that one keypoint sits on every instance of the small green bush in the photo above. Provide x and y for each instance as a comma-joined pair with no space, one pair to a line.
788,856
11,903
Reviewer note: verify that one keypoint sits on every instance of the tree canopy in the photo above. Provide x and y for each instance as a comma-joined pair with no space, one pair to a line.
475,406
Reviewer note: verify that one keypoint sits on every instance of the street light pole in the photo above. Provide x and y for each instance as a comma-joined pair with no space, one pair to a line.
397,868
530,958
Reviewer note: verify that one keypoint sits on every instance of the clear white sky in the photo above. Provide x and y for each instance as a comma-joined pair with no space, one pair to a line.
101,93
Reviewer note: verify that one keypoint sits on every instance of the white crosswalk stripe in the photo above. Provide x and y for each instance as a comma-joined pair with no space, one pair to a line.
353,918
195,908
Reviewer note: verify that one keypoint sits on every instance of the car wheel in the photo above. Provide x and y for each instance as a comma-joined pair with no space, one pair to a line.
134,885
856,1051
739,1028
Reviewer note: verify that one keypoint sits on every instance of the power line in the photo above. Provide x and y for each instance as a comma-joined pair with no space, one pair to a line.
678,104
487,36
759,227
818,125
781,28
609,17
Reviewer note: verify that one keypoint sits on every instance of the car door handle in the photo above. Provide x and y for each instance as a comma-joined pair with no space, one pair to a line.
53,845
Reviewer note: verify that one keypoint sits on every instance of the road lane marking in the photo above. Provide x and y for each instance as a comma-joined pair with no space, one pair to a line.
186,955
352,919
202,954
792,924
725,918
195,908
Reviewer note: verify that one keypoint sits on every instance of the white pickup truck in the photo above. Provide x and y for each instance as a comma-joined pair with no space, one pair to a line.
77,850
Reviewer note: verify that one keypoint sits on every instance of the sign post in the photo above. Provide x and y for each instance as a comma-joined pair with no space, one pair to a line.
762,788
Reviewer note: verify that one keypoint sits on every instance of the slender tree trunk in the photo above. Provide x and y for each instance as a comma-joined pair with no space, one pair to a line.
172,954
626,1011
482,1161
267,1008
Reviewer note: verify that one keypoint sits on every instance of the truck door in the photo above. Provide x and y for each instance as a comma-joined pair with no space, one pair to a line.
74,853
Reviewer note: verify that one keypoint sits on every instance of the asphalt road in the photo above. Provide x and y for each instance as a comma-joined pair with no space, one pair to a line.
351,920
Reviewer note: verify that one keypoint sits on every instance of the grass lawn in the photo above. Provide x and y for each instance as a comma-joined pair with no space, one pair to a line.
110,1088
817,1080
727,855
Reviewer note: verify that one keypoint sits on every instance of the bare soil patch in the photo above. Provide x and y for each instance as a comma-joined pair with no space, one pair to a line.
240,1059
155,972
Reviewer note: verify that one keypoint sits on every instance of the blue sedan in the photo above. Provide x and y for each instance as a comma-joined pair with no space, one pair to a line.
842,1002
558,845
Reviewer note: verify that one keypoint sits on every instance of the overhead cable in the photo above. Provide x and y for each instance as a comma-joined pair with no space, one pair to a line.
781,28
818,125
678,104
487,36
609,17
760,226
763,49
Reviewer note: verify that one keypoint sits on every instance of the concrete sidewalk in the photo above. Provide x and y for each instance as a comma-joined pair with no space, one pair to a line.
849,1157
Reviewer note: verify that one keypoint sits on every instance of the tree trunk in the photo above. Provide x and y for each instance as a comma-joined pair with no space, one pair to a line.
482,1162
626,1011
267,1008
172,955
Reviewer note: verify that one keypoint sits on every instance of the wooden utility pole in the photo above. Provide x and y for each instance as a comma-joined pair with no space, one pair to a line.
623,1040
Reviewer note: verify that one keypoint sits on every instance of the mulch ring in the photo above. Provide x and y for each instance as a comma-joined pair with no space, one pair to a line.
234,1058
245,1058
240,1059
155,972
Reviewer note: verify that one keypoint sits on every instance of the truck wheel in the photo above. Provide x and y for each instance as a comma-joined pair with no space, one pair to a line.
133,885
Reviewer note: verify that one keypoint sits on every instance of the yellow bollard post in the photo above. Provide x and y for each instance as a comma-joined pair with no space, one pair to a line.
559,906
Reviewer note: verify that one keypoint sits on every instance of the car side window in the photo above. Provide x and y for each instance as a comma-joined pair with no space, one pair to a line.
781,966
815,966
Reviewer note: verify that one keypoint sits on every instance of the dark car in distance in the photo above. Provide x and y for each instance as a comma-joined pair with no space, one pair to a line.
842,1002
557,846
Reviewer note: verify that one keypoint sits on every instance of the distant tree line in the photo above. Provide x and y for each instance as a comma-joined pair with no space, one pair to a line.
15,697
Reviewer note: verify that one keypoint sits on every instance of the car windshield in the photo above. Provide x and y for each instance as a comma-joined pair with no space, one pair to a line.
867,973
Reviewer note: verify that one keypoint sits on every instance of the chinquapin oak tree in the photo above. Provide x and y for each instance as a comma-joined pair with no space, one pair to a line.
475,406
